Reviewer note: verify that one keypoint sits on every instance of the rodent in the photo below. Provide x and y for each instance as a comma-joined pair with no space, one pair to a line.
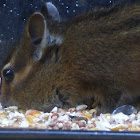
93,58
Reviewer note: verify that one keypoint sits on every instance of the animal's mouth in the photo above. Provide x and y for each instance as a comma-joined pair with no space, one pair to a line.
6,103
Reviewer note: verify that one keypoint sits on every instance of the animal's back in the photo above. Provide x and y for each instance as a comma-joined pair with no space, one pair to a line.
102,49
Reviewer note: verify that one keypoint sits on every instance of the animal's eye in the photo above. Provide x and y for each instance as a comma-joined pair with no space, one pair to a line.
8,75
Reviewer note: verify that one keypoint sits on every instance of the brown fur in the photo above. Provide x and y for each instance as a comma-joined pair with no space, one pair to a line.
99,60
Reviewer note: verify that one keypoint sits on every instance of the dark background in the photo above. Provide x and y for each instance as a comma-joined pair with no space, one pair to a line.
14,13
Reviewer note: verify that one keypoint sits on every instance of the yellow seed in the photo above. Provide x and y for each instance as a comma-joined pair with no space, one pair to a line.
3,114
93,128
30,119
22,111
32,112
92,110
107,115
134,129
88,116
117,128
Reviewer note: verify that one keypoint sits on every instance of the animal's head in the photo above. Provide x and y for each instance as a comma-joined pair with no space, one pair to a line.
28,71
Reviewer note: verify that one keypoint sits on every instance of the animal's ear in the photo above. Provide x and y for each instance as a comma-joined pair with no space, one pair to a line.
36,28
36,31
39,34
50,12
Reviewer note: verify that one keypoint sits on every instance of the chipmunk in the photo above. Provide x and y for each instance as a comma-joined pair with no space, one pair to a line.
93,58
